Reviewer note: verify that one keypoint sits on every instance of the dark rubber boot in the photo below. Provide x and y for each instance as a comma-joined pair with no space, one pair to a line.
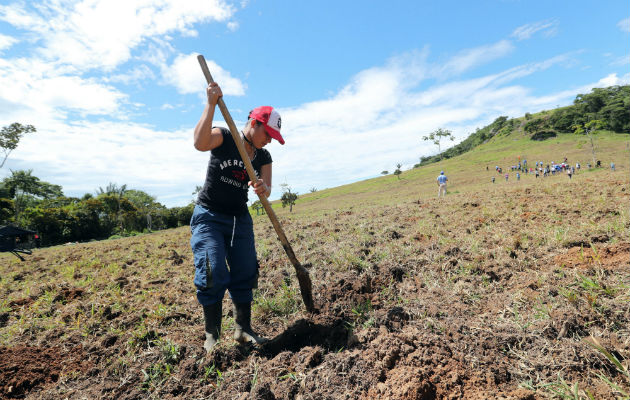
212,315
243,318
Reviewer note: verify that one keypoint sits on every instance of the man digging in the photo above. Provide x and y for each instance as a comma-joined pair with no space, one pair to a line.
221,226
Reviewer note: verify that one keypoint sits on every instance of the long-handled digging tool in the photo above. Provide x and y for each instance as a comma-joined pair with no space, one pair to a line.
306,287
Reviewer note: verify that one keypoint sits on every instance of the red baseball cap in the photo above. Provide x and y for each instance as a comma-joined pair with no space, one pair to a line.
270,119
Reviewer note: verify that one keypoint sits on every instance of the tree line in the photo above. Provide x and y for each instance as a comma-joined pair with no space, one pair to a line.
31,203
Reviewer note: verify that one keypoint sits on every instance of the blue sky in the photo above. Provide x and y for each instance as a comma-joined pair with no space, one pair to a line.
114,89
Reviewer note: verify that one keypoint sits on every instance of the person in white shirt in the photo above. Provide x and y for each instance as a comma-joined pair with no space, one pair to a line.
441,181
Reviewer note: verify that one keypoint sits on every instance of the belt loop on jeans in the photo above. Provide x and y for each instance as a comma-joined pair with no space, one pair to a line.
233,229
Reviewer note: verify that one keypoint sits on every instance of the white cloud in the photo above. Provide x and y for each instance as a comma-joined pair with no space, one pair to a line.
136,74
523,32
101,33
531,68
6,41
624,25
185,74
233,26
620,61
471,58
613,80
39,91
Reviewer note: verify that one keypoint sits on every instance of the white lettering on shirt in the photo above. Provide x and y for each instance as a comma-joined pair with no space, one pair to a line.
232,163
231,182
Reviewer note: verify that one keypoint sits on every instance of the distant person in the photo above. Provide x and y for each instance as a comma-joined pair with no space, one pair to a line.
612,166
441,181
487,168
599,164
577,166
569,173
493,179
537,174
588,165
518,176
507,176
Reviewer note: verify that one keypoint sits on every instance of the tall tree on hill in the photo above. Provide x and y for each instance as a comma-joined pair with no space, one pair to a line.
288,198
397,172
10,138
437,136
589,129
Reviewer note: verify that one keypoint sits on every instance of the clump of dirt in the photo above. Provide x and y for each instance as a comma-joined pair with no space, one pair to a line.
68,294
24,368
614,256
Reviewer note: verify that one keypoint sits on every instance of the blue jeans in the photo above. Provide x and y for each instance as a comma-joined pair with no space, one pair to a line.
217,238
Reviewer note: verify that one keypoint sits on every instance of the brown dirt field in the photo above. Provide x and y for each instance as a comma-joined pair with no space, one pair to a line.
485,295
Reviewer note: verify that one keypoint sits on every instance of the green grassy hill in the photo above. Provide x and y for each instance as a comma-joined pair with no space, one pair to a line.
467,172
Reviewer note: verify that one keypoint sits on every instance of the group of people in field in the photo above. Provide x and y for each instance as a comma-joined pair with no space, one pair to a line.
541,170
538,170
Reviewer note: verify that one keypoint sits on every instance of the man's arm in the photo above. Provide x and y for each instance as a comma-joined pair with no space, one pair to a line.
205,137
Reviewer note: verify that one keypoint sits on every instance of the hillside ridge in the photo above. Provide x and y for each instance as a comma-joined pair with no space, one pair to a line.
610,105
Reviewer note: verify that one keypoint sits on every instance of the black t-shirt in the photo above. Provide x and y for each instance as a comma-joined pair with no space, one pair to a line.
225,189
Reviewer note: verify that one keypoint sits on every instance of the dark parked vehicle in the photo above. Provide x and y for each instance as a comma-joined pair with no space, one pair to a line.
17,240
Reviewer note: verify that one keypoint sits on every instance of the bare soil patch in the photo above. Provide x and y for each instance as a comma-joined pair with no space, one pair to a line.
24,368
615,256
